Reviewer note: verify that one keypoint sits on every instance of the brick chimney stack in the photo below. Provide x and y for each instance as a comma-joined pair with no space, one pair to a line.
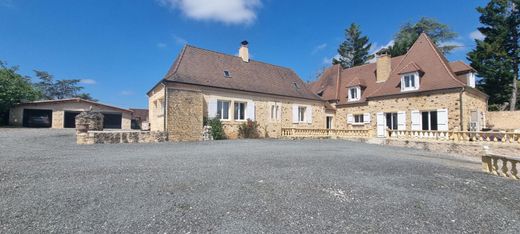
384,67
243,52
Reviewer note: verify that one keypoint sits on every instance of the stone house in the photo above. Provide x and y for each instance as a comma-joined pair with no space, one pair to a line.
62,113
206,84
420,90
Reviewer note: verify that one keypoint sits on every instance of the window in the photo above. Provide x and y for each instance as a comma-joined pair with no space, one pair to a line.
429,120
391,121
275,111
223,109
410,82
227,74
301,113
471,79
240,110
354,93
359,119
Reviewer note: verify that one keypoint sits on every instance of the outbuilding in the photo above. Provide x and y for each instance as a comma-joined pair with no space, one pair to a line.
62,113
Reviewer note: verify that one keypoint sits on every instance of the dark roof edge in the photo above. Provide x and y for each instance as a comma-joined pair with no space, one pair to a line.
72,100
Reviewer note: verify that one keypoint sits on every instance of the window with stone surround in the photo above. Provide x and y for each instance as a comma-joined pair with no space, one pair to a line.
223,109
240,110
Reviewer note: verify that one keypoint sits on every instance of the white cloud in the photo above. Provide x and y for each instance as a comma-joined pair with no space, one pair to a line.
224,11
477,35
126,93
375,48
328,61
179,40
319,48
161,45
87,81
458,45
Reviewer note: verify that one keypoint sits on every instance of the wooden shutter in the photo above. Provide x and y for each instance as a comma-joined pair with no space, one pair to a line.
350,118
442,119
250,110
295,113
212,107
366,117
401,120
308,114
381,124
416,120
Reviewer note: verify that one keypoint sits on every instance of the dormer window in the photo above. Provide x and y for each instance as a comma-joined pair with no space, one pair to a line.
354,93
471,80
227,74
410,81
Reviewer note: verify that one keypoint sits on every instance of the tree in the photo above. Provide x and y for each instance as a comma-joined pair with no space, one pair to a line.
440,34
86,96
58,89
14,88
497,57
354,50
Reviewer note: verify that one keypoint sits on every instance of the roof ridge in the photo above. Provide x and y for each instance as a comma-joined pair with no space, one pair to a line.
443,59
178,63
233,56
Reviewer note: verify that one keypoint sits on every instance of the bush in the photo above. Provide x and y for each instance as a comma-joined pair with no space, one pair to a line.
248,129
217,130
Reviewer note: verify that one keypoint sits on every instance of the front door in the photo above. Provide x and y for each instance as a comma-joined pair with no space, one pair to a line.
329,122
381,124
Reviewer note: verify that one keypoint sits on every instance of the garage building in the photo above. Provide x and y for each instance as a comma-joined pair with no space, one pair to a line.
62,113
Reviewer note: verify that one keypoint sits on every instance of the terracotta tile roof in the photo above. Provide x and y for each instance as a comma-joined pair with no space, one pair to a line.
436,74
140,113
328,79
204,67
461,67
357,82
411,67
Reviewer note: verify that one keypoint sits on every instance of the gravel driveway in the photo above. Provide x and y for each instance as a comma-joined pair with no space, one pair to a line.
49,184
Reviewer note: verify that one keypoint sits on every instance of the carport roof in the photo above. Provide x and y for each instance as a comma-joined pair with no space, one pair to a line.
73,100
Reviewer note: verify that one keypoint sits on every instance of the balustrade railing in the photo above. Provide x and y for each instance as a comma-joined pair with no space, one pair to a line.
501,165
308,132
457,136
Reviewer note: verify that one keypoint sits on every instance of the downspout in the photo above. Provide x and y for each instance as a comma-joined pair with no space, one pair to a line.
461,110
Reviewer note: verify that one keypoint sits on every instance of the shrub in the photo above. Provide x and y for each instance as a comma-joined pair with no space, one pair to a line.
217,130
248,129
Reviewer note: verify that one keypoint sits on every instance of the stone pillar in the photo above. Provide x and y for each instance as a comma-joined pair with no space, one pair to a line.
85,122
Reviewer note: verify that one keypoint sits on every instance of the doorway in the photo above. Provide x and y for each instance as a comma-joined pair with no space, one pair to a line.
329,122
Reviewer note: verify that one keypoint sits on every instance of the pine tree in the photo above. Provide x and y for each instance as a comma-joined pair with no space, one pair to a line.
497,57
440,34
354,50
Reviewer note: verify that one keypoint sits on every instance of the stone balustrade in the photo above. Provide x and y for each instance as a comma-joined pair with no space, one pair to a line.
501,165
317,133
457,136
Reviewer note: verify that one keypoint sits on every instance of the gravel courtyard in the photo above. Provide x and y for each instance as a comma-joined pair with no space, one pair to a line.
50,184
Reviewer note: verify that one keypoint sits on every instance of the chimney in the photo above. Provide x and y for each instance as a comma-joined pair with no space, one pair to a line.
244,51
384,67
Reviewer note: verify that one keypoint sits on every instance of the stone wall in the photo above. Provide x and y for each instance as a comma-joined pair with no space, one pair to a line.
118,137
156,109
504,120
472,102
58,112
428,102
185,115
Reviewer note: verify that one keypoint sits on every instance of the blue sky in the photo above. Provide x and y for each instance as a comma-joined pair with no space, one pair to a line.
121,48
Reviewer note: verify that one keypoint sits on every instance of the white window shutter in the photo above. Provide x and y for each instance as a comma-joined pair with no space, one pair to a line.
366,117
308,113
250,110
350,118
416,120
381,124
212,107
442,119
295,113
401,120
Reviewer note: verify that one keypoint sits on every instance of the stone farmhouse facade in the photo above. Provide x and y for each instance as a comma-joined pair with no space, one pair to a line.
420,90
206,84
417,91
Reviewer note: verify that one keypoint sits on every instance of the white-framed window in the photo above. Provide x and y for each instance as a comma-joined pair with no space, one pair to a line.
223,109
471,80
359,119
410,81
301,113
354,94
275,112
240,110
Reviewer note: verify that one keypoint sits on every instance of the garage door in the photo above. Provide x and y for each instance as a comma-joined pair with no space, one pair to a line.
70,119
112,121
34,118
